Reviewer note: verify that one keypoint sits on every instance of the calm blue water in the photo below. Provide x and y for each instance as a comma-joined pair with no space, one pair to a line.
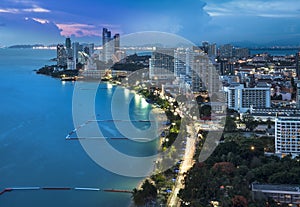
273,52
35,116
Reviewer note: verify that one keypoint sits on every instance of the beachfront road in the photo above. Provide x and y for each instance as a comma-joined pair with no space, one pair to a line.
187,163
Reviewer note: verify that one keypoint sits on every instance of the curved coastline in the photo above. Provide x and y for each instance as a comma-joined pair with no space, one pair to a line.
160,116
158,112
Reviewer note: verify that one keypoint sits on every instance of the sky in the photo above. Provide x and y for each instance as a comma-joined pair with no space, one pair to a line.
220,21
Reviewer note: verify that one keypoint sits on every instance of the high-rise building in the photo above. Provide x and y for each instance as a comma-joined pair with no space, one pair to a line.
61,56
184,60
298,96
287,135
69,51
181,63
68,42
225,67
76,48
117,42
297,59
161,64
204,74
212,50
242,99
106,36
108,45
209,49
226,51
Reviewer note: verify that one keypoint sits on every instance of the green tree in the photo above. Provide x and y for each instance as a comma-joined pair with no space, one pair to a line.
230,124
146,195
239,201
138,197
250,122
205,110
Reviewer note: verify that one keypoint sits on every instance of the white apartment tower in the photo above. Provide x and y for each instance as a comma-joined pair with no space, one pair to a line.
287,135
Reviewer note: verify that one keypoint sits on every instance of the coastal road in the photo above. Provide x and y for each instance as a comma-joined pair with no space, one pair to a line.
187,163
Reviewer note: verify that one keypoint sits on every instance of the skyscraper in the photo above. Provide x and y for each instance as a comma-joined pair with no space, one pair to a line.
68,42
68,48
117,42
212,50
108,45
61,56
76,49
180,61
183,60
106,36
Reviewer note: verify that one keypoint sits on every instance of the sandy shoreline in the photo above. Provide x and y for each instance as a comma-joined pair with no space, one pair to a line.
161,118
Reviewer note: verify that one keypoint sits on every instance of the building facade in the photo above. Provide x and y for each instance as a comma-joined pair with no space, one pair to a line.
243,99
297,59
161,64
68,45
61,56
204,75
298,96
226,51
107,44
111,45
281,194
287,135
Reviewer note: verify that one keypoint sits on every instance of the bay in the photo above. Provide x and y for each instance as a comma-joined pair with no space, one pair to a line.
35,117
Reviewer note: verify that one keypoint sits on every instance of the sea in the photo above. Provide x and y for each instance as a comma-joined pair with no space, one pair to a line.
35,117
274,52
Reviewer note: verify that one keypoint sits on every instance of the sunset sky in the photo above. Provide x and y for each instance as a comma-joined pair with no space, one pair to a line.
220,21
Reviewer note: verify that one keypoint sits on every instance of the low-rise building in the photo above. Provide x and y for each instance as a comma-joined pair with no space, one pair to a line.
242,99
281,194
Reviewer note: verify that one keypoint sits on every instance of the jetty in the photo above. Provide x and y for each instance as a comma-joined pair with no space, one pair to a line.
11,189
69,136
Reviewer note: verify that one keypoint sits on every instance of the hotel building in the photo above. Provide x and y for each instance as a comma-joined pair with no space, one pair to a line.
287,135
243,99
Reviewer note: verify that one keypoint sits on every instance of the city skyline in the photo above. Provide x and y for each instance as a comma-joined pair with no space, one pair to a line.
260,22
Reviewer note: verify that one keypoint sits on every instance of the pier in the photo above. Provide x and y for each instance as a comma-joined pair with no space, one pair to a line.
69,135
6,190
107,138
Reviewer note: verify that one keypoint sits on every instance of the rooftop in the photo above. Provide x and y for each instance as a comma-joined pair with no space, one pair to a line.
269,187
